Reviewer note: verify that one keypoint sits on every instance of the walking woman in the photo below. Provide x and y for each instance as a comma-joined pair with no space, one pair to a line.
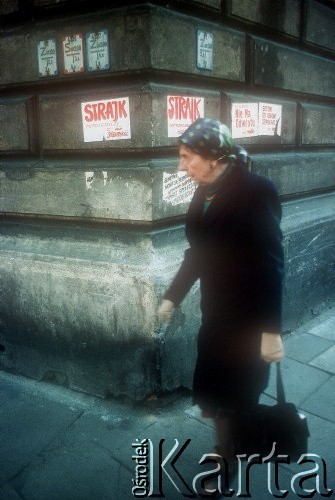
235,250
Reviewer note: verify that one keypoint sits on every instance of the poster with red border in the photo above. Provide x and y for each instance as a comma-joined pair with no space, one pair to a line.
73,53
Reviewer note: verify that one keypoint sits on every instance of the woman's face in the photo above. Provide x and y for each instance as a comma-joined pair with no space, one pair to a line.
196,166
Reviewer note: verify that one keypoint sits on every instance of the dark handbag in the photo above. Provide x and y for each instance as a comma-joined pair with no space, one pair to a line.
269,431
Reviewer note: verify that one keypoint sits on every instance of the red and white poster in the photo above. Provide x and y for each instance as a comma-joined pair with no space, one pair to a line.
244,119
106,120
182,112
269,119
73,54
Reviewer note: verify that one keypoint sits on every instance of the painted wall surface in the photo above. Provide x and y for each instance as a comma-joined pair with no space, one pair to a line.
91,205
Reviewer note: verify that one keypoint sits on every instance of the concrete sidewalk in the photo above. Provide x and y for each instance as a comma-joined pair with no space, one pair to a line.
56,444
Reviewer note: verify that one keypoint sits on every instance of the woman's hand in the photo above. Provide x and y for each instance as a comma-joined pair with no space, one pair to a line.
272,349
165,311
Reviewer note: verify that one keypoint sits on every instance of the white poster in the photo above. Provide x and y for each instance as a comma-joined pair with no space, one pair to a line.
97,50
182,112
177,188
47,58
244,119
205,50
269,119
106,120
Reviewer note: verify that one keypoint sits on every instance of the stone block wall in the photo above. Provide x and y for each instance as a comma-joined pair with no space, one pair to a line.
92,229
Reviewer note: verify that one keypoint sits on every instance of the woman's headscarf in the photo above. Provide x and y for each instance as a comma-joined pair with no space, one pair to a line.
208,138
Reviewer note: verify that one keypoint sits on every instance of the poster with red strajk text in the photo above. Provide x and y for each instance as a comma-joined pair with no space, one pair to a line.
182,112
106,120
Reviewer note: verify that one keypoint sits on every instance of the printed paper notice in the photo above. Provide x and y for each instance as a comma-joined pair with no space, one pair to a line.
205,50
106,120
244,119
177,188
182,112
47,58
269,119
97,50
73,54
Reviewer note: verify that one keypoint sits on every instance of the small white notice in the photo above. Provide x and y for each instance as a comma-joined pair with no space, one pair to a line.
205,50
97,48
47,57
244,119
177,188
269,119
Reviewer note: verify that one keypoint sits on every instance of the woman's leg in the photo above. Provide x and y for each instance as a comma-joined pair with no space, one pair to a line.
224,438
225,446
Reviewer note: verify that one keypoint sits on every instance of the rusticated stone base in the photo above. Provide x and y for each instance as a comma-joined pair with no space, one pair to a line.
79,304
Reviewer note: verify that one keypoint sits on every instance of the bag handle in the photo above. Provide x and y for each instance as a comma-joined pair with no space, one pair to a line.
280,386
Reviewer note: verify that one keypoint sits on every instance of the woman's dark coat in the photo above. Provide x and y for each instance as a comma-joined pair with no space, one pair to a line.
236,252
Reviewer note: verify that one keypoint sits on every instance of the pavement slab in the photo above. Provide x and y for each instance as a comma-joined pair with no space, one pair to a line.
322,402
304,347
28,423
326,329
300,380
325,361
74,470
